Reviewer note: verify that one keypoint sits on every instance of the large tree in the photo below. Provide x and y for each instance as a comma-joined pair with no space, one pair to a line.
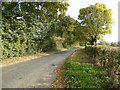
95,21
26,26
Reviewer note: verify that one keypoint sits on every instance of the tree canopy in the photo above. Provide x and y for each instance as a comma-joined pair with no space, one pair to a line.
31,27
95,21
27,27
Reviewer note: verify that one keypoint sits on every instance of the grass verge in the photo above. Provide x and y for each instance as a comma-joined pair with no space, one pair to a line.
79,75
79,72
60,80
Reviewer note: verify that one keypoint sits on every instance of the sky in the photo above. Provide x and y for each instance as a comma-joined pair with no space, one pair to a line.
76,5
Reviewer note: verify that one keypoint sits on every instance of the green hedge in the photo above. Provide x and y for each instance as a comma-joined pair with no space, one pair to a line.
108,58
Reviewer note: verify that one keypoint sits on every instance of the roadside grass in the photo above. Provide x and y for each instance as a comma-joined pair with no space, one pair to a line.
82,75
15,60
81,56
78,71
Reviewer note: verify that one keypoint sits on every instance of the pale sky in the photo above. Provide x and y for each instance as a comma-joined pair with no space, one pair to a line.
75,5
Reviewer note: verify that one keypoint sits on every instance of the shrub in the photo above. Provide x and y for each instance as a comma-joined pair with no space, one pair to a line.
85,76
108,58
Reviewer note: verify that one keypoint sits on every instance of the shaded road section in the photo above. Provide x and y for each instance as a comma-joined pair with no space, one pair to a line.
37,73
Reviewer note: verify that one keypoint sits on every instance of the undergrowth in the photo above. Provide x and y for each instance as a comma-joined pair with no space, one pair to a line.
81,75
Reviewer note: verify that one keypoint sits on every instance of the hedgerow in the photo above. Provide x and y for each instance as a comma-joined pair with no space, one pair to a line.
30,27
108,58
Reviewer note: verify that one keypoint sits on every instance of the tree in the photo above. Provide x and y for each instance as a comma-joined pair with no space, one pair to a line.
66,30
95,21
26,26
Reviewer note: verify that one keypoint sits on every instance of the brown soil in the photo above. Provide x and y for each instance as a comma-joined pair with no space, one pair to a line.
60,80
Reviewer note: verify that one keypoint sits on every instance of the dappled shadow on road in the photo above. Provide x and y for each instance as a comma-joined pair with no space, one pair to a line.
63,52
66,52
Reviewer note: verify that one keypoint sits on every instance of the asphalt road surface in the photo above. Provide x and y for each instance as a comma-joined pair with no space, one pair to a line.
38,73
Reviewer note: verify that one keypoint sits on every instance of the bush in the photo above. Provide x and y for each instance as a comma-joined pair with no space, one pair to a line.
108,58
85,76
48,44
